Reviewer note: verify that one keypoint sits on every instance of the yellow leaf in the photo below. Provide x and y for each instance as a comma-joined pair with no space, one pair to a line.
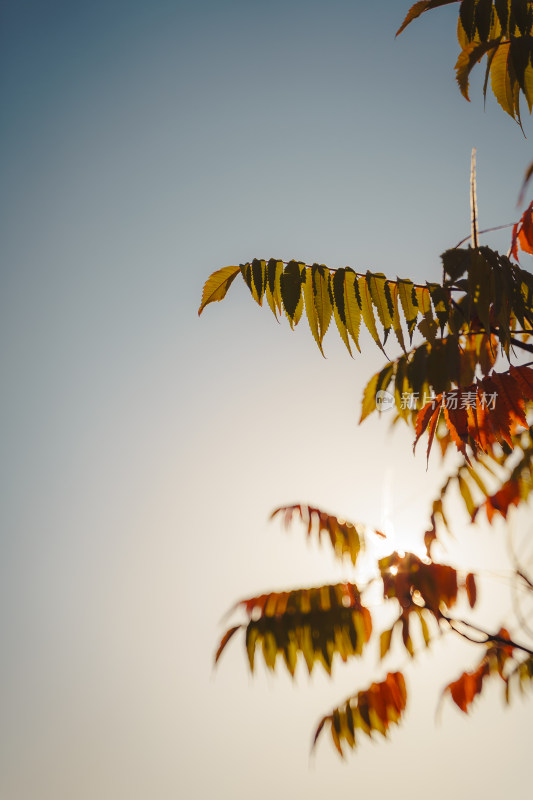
217,285
377,284
385,642
366,310
379,382
291,291
466,495
251,641
528,86
396,324
409,304
272,289
351,306
258,279
337,293
310,307
425,630
321,290
501,79
427,326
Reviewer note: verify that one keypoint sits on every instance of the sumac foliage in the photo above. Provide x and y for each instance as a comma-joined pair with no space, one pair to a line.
462,376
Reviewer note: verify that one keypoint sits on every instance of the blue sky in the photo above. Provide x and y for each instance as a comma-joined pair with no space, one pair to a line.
143,146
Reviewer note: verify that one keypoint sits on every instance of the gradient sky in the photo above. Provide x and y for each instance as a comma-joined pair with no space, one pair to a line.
143,146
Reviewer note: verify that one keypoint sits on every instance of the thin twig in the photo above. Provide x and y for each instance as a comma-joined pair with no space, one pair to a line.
514,588
520,345
487,230
489,637
524,577
473,199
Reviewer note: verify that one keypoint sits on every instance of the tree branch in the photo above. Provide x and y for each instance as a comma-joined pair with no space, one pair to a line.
489,637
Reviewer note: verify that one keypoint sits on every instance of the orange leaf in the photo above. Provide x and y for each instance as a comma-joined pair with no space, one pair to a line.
471,589
225,639
457,421
500,502
524,377
465,688
508,388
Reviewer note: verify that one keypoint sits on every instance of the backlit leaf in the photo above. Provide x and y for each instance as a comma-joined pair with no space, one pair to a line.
217,285
366,310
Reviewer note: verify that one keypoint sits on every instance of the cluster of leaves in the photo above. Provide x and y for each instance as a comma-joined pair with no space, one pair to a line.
346,538
375,709
501,31
499,660
483,307
451,335
470,417
496,296
319,623
496,484
349,297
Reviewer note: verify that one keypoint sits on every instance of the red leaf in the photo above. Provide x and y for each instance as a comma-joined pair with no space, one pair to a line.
428,416
500,502
523,233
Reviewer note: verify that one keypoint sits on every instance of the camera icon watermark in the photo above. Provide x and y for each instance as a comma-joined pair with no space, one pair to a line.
384,400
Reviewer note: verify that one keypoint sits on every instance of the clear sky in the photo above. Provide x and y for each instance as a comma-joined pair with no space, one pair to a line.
144,145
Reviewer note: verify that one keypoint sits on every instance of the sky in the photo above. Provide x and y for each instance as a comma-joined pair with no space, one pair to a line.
144,145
